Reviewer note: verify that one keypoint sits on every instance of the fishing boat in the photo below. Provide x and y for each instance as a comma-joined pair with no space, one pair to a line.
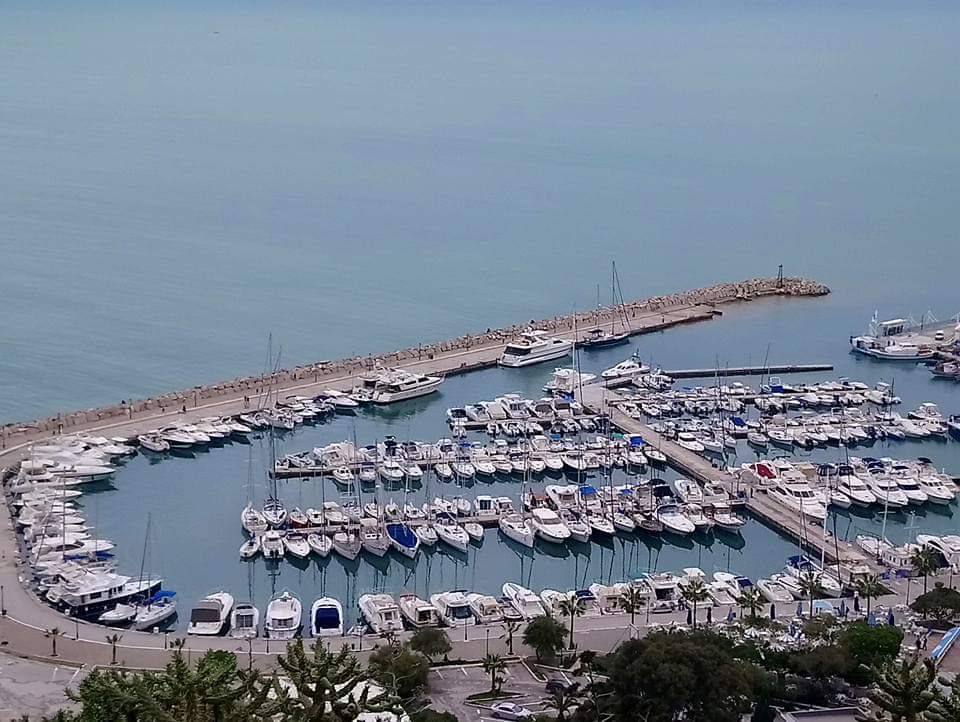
326,618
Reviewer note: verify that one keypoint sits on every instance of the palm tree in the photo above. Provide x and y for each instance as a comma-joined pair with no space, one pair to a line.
694,593
563,701
946,707
632,600
511,628
924,561
493,665
903,689
751,600
113,640
571,606
869,588
811,587
52,634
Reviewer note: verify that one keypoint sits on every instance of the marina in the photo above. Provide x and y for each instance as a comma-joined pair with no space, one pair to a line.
622,552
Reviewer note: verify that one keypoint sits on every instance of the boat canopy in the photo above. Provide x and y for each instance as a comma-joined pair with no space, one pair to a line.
162,594
587,491
326,618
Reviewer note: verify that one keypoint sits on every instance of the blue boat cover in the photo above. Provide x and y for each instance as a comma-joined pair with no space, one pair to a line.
326,618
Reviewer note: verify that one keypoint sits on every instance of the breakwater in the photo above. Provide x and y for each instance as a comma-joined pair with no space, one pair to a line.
651,314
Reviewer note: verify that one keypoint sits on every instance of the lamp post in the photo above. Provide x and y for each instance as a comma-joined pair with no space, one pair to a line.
3,607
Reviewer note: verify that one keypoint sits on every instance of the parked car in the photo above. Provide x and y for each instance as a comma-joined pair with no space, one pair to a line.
511,711
558,684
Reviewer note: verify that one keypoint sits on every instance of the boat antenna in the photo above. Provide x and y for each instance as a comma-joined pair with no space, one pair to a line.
146,538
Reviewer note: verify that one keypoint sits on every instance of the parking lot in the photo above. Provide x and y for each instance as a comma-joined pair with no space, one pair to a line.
450,686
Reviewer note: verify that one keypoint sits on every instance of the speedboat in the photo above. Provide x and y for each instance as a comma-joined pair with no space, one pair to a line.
326,618
211,614
245,621
548,526
534,347
250,548
418,612
735,583
486,609
381,613
774,591
517,528
296,545
453,608
283,617
674,520
799,566
153,442
527,604
120,615
628,369
271,544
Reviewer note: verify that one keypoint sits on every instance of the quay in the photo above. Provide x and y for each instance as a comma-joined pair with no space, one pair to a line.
747,371
846,556
27,624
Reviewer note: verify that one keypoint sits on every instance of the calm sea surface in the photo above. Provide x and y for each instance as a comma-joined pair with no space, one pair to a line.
178,184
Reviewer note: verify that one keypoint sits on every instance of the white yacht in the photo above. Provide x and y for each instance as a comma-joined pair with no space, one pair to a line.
283,617
774,591
418,612
527,604
271,544
799,566
451,533
211,614
797,496
548,526
155,611
534,347
400,385
454,608
486,609
628,369
518,529
887,491
373,538
381,613
856,489
326,618
892,341
244,621
674,520
252,520
947,546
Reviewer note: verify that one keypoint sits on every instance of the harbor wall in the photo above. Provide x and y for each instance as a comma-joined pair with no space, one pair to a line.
252,386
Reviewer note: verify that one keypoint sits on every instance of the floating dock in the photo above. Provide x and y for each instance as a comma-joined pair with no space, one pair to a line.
694,466
747,371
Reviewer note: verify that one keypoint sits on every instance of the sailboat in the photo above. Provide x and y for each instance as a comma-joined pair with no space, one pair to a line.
600,337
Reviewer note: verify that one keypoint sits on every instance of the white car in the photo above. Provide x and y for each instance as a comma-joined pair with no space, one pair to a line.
511,711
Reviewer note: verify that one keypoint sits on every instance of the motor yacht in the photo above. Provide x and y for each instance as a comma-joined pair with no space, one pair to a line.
518,529
153,442
887,491
244,621
211,614
548,526
774,592
283,619
628,369
453,608
526,603
486,609
534,347
381,613
418,612
400,385
947,546
797,496
799,566
326,618
673,519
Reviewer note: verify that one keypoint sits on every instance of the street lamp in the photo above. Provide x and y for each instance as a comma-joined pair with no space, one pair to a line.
3,607
487,652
